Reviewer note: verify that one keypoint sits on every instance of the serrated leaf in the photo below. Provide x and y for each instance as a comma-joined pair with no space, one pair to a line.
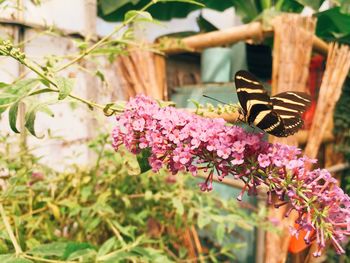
13,113
65,87
142,159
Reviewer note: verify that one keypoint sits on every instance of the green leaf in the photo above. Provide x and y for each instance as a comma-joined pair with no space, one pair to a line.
314,4
163,10
333,25
220,233
345,7
3,85
148,195
83,255
17,260
16,92
53,249
40,91
142,159
64,86
13,112
202,220
31,116
128,231
177,203
74,248
100,75
138,15
109,6
5,257
107,246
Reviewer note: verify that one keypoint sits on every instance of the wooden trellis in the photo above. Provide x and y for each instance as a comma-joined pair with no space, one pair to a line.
294,41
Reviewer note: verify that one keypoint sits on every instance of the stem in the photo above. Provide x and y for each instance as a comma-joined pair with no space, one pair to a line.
9,231
126,248
47,260
104,39
99,157
38,71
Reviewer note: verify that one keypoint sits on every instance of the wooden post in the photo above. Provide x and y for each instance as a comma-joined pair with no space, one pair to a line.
337,68
293,39
142,72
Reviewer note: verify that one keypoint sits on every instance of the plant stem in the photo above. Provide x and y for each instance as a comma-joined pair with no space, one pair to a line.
125,248
9,230
47,260
104,39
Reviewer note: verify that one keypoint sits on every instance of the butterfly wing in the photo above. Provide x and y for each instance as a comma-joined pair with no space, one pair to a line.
256,104
289,106
251,95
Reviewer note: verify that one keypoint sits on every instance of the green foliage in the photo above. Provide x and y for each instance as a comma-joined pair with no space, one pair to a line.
108,213
164,10
64,86
342,135
142,159
247,9
342,131
333,25
22,94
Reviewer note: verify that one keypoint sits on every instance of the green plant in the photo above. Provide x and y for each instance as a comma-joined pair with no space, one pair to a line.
333,24
108,213
342,131
52,87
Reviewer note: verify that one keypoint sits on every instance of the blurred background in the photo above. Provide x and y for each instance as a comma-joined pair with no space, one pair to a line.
86,202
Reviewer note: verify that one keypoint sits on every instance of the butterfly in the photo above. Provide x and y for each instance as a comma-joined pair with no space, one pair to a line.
279,115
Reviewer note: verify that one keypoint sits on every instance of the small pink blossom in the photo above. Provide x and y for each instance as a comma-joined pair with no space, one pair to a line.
181,141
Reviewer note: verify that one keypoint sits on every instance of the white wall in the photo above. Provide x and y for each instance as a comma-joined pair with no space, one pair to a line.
69,129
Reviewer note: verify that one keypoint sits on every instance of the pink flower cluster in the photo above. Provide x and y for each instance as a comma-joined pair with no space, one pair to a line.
181,141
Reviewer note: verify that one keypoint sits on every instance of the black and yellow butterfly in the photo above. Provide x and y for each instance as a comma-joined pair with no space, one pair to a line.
279,115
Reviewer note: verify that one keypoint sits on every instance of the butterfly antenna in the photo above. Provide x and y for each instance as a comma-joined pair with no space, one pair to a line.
206,96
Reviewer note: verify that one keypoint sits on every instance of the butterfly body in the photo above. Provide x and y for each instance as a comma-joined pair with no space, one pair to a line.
279,115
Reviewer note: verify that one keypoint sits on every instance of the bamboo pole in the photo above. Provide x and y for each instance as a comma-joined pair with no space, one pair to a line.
293,41
252,31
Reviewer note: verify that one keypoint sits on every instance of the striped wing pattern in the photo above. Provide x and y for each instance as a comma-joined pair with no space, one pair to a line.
290,106
279,115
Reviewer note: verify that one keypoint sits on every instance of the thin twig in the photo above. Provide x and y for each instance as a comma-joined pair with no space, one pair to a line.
9,231
104,39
